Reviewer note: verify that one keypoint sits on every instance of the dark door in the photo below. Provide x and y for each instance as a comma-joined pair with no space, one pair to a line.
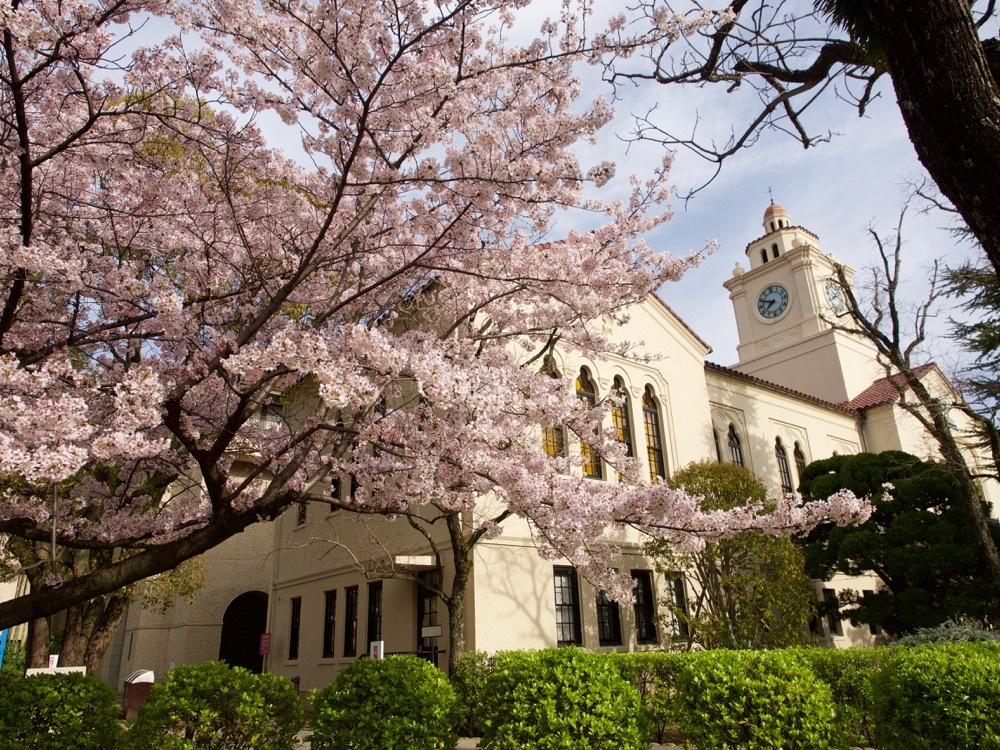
242,625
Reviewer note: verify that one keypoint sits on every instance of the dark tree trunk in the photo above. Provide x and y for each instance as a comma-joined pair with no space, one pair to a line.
950,103
37,647
455,602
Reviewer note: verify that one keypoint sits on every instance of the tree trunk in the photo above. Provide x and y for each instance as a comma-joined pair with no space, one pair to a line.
950,103
74,640
103,630
37,647
455,602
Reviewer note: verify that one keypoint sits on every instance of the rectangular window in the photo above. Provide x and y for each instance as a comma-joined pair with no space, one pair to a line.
832,612
567,606
351,621
645,616
294,624
678,605
428,583
609,623
329,623
875,629
301,511
374,611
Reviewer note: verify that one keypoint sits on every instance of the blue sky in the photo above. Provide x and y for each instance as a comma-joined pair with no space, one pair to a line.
835,189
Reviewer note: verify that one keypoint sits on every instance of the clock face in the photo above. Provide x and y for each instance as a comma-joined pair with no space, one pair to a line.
835,296
772,301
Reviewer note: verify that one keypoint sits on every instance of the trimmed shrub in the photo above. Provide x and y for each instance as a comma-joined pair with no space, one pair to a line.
755,700
560,699
58,712
212,706
850,674
468,678
949,631
943,696
654,674
397,703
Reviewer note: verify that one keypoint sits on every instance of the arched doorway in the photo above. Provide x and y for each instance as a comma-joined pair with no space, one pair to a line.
242,625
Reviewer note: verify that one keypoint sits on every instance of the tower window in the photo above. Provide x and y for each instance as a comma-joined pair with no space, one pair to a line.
774,251
763,254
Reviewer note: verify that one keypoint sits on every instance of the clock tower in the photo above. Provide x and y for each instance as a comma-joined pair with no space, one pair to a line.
786,306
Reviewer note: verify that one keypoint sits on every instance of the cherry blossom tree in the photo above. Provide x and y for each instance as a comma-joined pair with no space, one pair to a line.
229,331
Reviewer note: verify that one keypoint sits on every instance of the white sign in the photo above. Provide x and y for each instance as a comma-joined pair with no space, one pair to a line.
53,661
54,670
376,649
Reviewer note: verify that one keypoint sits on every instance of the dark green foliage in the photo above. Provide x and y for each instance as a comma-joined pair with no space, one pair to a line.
468,678
212,706
919,542
654,674
849,673
560,699
58,712
397,703
943,696
754,700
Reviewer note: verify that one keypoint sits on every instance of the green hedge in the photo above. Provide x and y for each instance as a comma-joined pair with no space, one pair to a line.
468,678
654,674
58,712
850,675
212,706
755,700
397,703
939,696
560,699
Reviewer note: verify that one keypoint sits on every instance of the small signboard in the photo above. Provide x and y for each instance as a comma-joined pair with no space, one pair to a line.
430,631
53,661
376,649
265,644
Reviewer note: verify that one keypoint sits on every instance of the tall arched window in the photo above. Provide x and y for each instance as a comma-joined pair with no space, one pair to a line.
620,417
718,448
654,441
784,473
587,391
735,446
800,460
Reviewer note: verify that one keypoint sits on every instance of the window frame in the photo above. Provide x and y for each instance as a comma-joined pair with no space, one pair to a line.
653,432
350,621
294,627
374,622
567,608
644,607
609,621
592,465
736,454
329,624
784,470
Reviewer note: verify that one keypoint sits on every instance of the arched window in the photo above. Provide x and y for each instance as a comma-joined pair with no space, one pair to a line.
718,448
763,254
587,392
800,460
784,473
774,251
620,417
735,446
654,442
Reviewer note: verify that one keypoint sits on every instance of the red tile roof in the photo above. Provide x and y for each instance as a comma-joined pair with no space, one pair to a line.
884,390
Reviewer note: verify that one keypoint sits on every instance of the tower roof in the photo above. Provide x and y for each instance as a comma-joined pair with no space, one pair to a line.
771,216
